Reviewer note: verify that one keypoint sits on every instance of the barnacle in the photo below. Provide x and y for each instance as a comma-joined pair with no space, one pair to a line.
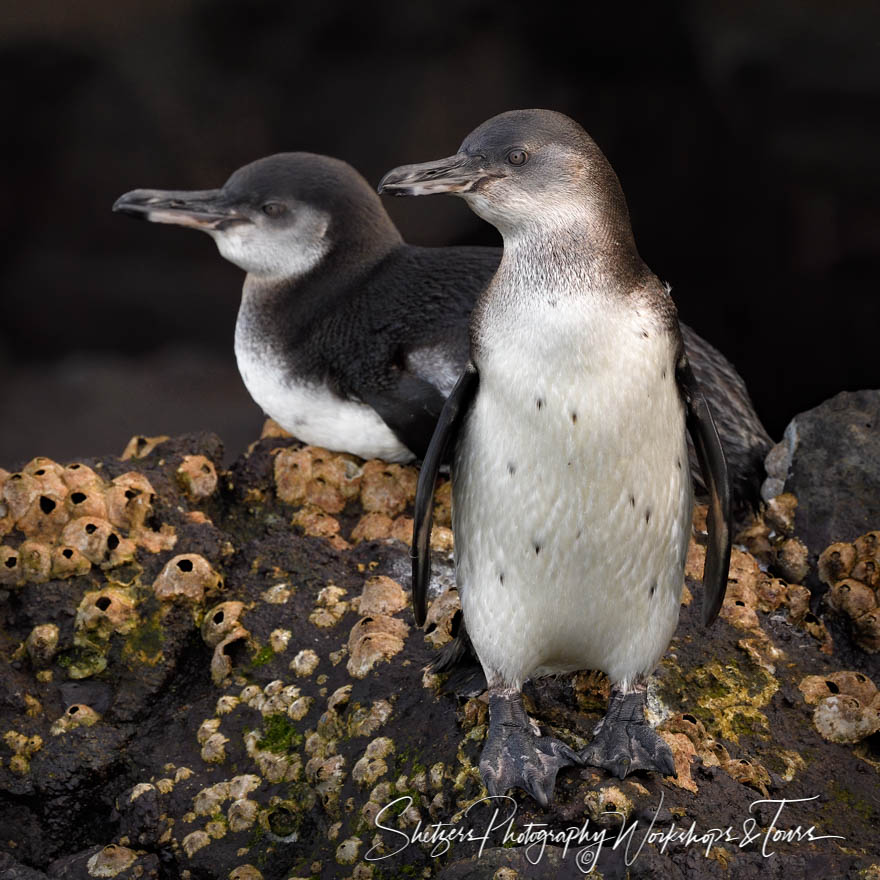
188,576
374,639
42,644
198,477
387,488
76,715
381,595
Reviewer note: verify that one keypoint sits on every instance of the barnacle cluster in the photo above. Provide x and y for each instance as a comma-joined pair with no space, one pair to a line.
852,571
377,636
688,738
771,539
323,483
847,705
751,588
60,521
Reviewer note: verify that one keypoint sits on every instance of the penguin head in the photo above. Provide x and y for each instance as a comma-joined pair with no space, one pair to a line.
278,217
519,169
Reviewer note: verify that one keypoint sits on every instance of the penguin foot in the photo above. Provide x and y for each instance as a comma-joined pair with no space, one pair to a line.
624,741
515,757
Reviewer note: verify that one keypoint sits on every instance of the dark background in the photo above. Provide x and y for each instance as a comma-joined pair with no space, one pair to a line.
746,136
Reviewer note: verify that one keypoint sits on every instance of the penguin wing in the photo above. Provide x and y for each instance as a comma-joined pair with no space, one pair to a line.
746,441
713,465
451,418
410,406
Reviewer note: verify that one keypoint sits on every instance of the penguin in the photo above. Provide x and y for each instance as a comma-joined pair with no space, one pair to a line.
572,498
352,339
347,337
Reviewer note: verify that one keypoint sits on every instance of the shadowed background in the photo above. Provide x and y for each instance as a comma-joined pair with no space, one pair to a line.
746,137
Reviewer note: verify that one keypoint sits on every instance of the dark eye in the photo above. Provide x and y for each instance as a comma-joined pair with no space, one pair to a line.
273,209
517,157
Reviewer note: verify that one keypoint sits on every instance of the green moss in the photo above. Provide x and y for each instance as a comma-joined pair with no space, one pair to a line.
726,698
398,806
406,761
145,642
280,735
83,661
263,656
126,575
850,801
256,836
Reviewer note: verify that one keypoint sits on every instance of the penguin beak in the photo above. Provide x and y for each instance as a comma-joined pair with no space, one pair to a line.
206,209
459,174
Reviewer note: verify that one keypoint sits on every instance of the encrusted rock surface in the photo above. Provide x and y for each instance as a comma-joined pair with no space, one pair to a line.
235,688
824,450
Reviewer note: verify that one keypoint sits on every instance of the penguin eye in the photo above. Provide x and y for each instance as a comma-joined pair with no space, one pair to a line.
517,157
273,209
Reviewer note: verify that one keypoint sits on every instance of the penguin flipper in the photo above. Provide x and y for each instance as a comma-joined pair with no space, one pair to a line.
745,439
451,417
410,406
710,453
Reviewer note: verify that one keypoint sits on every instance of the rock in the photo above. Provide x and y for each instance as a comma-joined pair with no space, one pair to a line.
10,869
254,711
829,458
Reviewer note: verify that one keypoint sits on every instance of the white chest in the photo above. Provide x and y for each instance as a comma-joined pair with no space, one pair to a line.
571,492
311,411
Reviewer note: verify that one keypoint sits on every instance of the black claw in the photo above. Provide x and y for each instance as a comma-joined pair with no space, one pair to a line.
533,785
668,766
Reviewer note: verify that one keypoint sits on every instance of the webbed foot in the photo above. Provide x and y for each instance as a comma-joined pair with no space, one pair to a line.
624,741
515,757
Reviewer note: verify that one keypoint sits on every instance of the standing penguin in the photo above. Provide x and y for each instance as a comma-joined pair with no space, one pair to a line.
572,497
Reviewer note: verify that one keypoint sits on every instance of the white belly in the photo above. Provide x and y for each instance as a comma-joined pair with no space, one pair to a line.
312,412
572,516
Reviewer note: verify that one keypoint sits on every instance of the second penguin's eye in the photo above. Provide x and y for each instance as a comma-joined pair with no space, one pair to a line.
273,209
517,157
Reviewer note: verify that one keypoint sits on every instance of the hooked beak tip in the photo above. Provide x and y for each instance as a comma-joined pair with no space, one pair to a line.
121,205
129,204
393,184
455,175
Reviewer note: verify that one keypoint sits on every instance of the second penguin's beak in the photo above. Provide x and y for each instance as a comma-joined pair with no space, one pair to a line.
206,209
458,174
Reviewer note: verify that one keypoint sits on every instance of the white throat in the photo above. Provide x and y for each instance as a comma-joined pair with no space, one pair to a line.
287,253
